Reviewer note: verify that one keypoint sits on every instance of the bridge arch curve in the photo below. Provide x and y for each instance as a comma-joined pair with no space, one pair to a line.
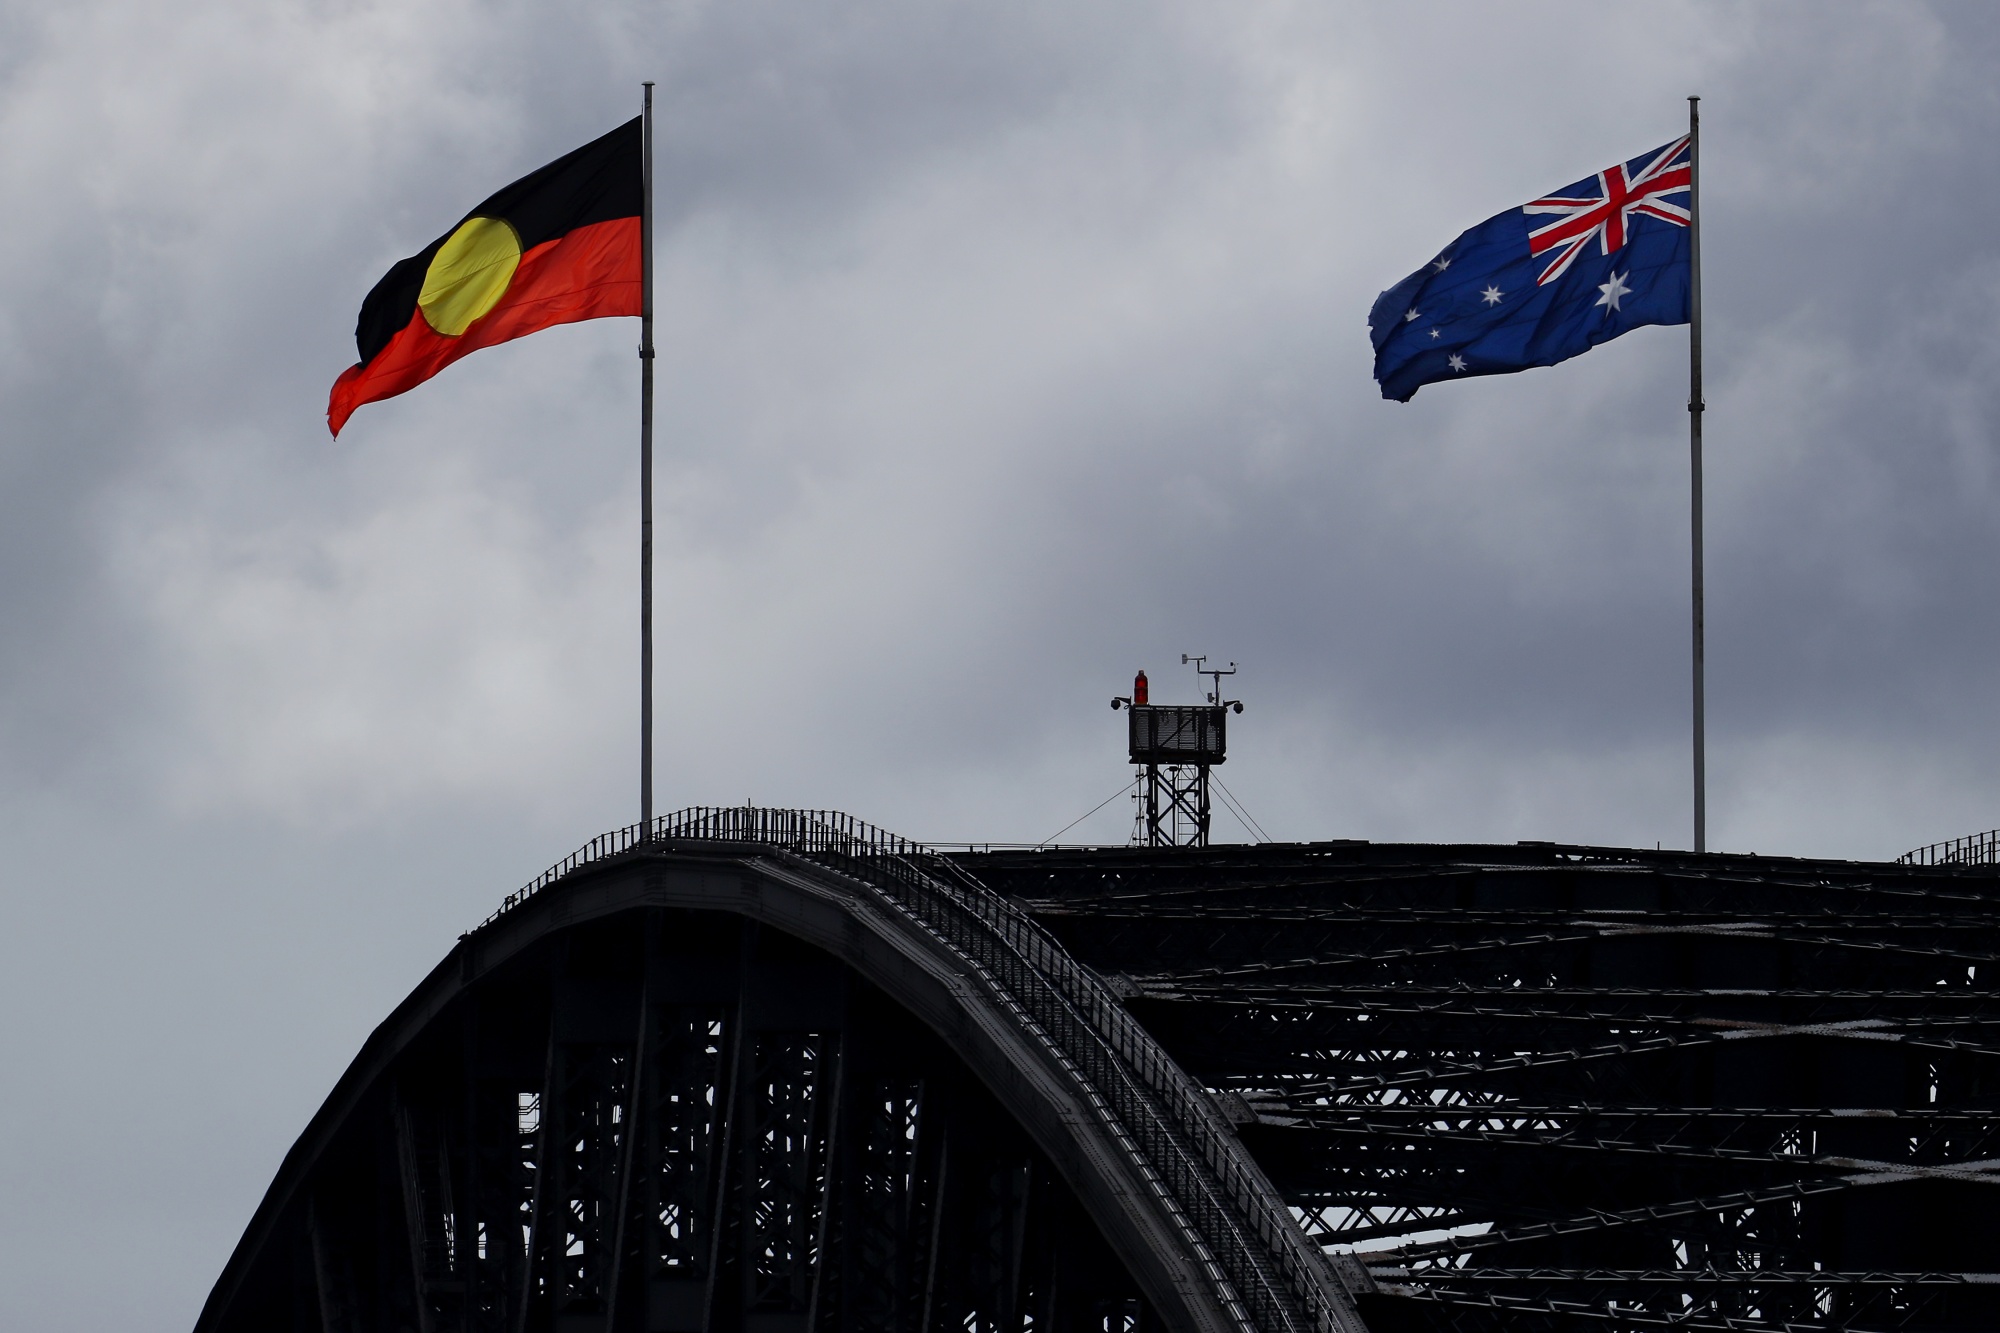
767,1070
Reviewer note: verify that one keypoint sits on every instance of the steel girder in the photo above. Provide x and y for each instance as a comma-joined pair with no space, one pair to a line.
1521,1087
1541,1087
765,1071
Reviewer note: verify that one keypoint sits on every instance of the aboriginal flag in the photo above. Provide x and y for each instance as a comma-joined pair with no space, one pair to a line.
559,245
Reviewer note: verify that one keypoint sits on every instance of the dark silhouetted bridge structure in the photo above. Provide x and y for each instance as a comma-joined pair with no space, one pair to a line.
780,1072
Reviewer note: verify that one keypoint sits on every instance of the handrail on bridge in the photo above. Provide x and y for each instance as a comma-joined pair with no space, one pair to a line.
1242,1229
1977,849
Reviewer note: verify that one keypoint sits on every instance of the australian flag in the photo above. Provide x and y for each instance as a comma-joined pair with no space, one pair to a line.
1539,284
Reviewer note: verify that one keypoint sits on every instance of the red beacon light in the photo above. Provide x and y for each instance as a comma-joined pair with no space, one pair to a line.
1139,688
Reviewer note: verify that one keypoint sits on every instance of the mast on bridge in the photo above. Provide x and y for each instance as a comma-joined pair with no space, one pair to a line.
1176,744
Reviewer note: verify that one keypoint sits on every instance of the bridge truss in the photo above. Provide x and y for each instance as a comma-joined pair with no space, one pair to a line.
777,1070
772,1071
1542,1087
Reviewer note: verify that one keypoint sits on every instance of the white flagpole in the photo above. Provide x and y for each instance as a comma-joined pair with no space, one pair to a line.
1695,408
646,468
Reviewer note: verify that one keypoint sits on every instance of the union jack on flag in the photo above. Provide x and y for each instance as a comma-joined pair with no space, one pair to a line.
1547,280
1606,216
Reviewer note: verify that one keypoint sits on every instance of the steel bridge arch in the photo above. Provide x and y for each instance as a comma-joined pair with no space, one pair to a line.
1142,1151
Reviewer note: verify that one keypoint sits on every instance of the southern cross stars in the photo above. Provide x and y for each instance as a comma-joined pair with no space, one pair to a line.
1613,290
1434,333
1492,295
1411,317
1456,362
1440,264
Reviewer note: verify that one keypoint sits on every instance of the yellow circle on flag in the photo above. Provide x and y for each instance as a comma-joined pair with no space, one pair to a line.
469,274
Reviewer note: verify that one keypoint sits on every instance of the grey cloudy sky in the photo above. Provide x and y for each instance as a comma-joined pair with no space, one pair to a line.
1005,349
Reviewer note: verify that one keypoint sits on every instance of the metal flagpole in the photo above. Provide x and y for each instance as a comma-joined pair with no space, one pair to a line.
646,467
1695,408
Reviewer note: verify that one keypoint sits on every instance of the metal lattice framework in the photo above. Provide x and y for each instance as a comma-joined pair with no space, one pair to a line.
1551,1087
778,1070
769,1070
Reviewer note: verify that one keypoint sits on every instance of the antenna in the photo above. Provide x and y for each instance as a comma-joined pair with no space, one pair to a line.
1201,668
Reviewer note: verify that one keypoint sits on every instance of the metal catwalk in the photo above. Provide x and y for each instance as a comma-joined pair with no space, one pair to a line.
777,1070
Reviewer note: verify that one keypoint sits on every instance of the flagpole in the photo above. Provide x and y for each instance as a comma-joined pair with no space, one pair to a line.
646,467
1695,409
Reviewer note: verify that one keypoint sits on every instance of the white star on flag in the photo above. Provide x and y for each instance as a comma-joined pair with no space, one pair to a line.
1434,333
1455,361
1613,290
1441,264
1492,295
1410,318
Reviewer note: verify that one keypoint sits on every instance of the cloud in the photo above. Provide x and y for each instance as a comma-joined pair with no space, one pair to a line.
1005,350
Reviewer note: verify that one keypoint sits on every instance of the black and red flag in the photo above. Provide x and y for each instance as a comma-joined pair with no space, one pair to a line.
559,245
